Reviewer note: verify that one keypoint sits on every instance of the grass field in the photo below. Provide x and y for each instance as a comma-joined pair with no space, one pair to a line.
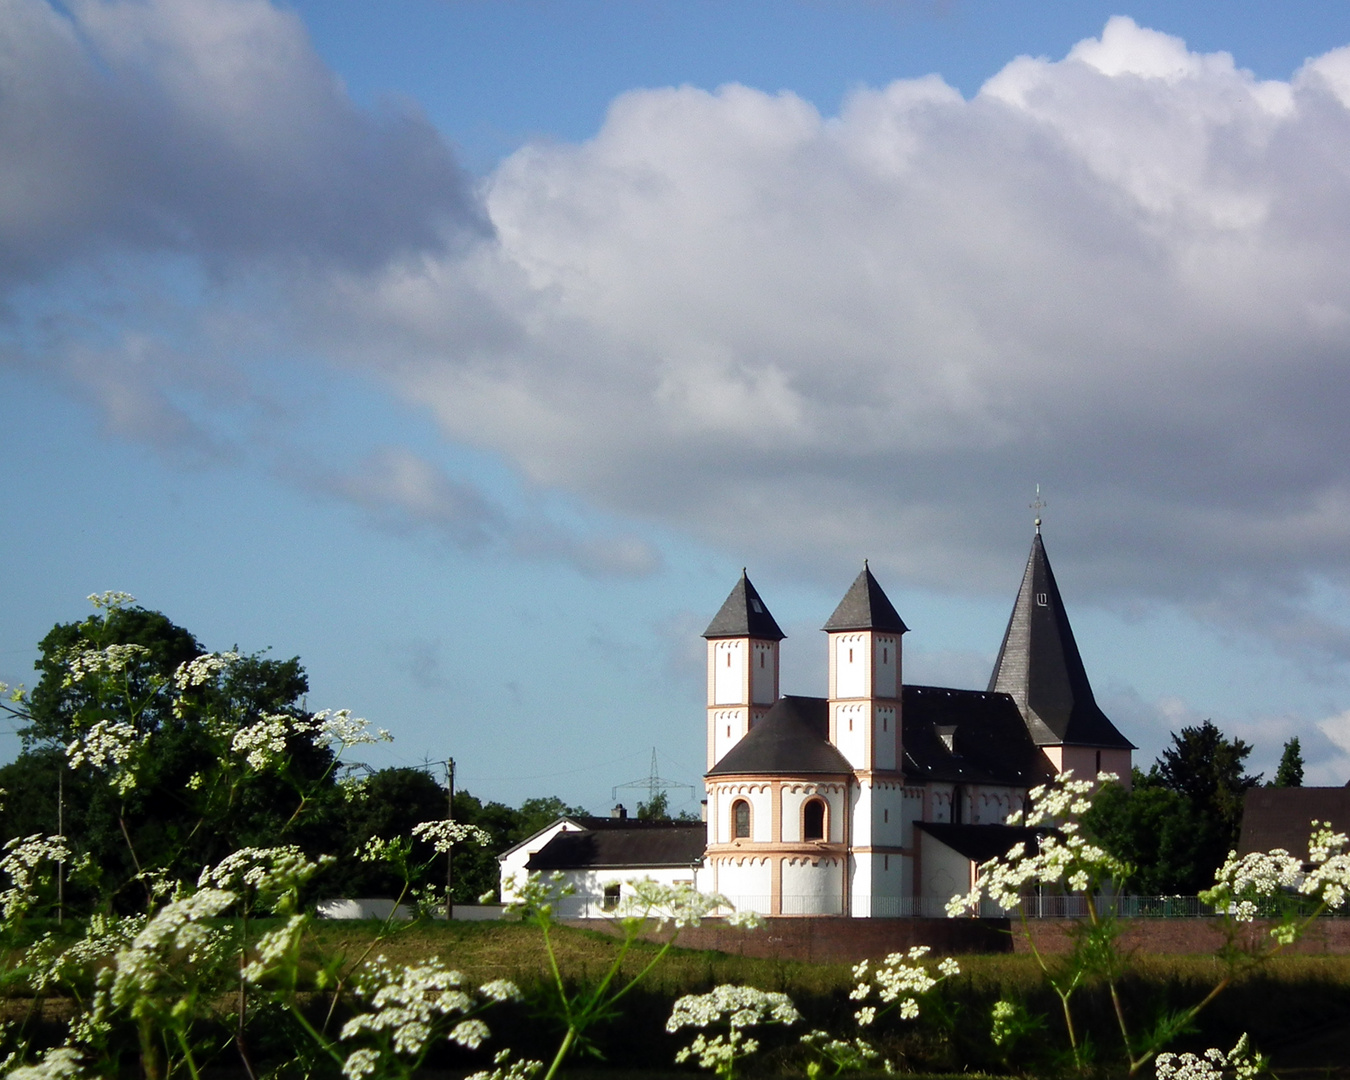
1297,1009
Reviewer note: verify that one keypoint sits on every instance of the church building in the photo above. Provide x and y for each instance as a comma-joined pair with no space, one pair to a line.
883,798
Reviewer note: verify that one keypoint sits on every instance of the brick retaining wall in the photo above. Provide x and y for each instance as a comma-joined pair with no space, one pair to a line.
835,940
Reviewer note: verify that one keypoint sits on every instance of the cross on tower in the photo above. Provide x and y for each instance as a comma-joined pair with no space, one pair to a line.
1038,506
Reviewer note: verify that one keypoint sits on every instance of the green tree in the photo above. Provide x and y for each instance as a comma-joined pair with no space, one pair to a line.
1182,818
1290,771
121,667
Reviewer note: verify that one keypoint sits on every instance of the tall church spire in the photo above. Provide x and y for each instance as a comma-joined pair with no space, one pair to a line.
743,614
1039,665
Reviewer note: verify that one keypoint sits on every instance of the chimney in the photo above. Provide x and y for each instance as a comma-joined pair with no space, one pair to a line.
620,812
703,810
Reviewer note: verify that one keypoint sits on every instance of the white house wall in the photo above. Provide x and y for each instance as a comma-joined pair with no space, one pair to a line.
747,883
512,864
945,872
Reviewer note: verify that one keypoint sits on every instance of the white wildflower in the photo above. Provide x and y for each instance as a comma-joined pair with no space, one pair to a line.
515,1070
360,1063
340,729
108,745
738,1006
443,835
111,600
266,870
203,669
25,861
263,744
82,664
63,1061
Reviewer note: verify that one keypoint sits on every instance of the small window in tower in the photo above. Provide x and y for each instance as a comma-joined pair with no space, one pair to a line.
1040,599
756,605
885,723
850,656
885,656
813,820
740,816
850,723
728,731
728,659
761,659
886,862
885,815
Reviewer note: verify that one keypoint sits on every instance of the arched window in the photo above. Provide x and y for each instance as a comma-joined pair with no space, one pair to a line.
740,820
813,820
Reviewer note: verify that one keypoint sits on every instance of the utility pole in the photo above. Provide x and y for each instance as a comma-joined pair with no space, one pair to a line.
450,854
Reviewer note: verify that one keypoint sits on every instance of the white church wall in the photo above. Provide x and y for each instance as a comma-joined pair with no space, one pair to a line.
911,811
883,737
726,731
850,727
888,814
812,886
850,665
729,672
763,671
793,798
760,798
945,872
863,800
747,883
881,886
886,673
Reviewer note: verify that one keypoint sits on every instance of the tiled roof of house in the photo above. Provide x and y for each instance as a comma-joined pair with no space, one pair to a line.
1283,817
640,844
980,843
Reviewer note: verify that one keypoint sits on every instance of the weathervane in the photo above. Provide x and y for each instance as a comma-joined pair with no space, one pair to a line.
1038,506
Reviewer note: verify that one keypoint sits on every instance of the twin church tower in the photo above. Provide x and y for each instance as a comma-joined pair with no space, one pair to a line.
882,798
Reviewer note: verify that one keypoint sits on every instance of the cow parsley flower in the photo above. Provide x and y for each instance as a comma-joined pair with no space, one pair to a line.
507,1069
443,835
738,1007
1213,1064
56,1064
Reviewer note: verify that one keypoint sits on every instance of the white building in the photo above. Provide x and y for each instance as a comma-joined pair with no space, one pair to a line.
882,798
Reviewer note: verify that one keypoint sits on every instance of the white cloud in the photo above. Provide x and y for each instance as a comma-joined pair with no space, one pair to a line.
806,337
802,338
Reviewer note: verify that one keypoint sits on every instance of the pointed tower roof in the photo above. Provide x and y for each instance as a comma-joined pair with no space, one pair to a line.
744,615
865,607
1039,665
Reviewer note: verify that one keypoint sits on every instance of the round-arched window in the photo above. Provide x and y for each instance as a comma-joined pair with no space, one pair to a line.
813,820
740,820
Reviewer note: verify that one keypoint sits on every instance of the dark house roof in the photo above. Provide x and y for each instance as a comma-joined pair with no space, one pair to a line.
865,607
967,736
1283,817
744,614
642,844
980,843
792,738
1039,665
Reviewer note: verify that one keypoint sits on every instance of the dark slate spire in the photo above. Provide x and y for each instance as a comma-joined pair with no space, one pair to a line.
744,615
1039,665
865,607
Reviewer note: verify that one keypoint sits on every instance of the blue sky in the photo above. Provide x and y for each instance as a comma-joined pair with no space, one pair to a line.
468,350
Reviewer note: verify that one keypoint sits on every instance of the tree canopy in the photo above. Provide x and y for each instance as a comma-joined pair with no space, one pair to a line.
1182,818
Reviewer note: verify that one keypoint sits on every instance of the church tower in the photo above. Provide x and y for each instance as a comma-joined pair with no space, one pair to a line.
742,668
865,676
1040,667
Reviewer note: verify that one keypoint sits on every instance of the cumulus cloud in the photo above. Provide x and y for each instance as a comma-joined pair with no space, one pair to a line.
807,337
